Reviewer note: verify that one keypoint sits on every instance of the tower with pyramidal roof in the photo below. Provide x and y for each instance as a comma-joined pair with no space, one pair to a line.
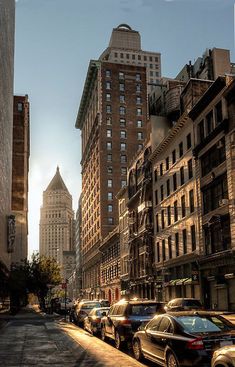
56,233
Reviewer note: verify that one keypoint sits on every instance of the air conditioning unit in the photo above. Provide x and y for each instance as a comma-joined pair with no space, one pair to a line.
223,202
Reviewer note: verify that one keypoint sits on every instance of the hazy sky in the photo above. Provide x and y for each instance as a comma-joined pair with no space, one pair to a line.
55,39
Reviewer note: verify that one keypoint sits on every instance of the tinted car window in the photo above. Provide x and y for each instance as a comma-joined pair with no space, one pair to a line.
153,325
198,324
144,309
192,302
164,325
90,305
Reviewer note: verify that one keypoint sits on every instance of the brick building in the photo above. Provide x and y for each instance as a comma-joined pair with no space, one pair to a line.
112,117
7,228
20,169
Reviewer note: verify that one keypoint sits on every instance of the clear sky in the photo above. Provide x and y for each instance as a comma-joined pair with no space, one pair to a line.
55,39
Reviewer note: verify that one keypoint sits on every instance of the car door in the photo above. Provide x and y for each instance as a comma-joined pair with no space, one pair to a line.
163,337
109,322
149,342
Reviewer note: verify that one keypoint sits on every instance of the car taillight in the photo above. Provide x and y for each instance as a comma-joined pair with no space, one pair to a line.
96,319
125,322
195,344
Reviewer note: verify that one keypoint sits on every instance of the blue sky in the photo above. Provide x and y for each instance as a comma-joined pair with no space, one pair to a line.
55,39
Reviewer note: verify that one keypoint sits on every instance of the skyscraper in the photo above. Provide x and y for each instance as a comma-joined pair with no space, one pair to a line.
56,221
112,118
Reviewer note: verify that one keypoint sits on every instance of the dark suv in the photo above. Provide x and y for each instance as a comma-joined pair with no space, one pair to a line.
125,317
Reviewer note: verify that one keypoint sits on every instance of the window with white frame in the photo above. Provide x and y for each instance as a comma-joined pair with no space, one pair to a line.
109,133
140,135
109,157
108,73
138,100
123,146
109,145
138,77
110,196
122,110
123,158
140,146
121,75
123,171
139,123
122,122
122,98
109,121
108,97
138,88
108,109
123,134
139,111
121,87
110,182
108,85
110,208
123,183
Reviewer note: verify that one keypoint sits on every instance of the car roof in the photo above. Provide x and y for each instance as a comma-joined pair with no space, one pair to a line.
194,313
184,298
139,302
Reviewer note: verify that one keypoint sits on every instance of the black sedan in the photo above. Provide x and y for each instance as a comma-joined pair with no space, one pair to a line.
92,321
183,338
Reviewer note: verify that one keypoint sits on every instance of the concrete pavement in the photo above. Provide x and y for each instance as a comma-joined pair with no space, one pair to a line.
34,339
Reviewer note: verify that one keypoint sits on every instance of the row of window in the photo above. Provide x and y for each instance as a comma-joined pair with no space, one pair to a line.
174,185
168,250
136,56
122,98
108,86
213,157
123,170
121,75
110,182
163,168
122,110
210,122
123,134
122,122
170,212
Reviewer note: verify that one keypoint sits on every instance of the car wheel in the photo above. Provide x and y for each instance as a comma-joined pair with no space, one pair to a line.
103,336
118,342
171,360
137,350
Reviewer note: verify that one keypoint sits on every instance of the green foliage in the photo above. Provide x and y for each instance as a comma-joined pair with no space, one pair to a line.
36,276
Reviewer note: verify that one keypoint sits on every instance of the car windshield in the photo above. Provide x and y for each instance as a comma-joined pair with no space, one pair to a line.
90,305
143,309
203,324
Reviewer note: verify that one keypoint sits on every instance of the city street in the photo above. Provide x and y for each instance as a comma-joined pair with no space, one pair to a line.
32,338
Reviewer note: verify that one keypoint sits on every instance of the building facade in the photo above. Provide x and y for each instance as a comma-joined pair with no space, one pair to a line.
7,220
214,128
20,169
56,230
112,118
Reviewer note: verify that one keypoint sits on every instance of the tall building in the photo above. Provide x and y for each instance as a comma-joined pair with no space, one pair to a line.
20,169
56,221
112,118
125,48
7,222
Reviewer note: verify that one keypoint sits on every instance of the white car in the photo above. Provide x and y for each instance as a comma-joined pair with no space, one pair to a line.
65,306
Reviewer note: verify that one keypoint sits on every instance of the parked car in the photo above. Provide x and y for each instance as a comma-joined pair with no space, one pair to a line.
186,338
92,321
65,306
224,357
125,317
181,304
82,309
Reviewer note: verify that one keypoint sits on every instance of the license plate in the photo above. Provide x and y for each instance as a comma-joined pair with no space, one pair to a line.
226,342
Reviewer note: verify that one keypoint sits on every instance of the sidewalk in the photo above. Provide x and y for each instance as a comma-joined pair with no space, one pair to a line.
31,338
